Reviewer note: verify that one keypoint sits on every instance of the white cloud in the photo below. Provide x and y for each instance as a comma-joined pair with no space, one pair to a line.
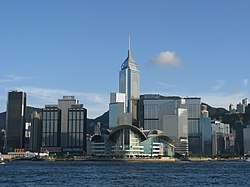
13,78
166,58
218,85
95,103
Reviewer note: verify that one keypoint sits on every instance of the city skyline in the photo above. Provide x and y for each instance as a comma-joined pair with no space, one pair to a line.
52,49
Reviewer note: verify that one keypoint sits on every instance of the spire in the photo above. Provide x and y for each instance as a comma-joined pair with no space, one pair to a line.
129,51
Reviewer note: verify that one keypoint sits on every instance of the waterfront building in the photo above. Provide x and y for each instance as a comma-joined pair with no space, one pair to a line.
168,114
193,105
96,146
220,138
15,120
246,136
116,109
130,141
51,127
158,144
66,122
36,132
206,131
64,104
76,131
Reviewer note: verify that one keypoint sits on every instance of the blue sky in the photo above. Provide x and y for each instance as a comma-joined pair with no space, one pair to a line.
52,48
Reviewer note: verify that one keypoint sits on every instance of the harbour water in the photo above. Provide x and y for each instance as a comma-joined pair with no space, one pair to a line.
114,173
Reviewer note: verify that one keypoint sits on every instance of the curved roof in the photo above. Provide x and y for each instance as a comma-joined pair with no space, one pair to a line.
131,127
155,132
97,138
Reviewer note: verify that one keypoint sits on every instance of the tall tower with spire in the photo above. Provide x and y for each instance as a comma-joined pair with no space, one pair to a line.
129,83
123,105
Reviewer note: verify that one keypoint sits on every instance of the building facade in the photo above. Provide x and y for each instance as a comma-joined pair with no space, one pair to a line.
168,114
51,126
64,104
36,132
193,106
76,131
15,120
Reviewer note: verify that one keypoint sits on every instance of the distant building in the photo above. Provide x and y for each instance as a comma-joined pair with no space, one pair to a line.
168,114
240,108
36,132
220,138
246,135
15,120
194,132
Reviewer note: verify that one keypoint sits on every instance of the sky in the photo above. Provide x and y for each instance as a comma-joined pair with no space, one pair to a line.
194,48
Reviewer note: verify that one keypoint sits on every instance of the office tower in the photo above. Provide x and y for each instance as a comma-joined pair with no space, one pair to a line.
76,131
64,104
15,120
129,83
220,138
206,131
193,105
116,108
167,114
36,131
51,127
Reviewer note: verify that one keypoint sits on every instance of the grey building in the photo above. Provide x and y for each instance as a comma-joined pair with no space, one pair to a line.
64,104
15,120
168,114
193,105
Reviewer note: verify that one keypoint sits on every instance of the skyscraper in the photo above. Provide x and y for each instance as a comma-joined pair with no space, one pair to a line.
15,120
129,83
64,104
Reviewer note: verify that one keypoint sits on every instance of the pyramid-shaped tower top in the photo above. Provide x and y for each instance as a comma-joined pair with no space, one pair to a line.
129,63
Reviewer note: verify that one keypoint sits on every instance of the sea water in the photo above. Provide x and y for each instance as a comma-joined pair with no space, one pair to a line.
118,173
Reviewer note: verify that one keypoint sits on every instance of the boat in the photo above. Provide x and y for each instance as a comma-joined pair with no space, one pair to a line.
2,161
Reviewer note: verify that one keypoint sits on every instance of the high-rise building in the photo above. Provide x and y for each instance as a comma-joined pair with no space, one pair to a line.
124,110
64,104
129,83
15,120
51,127
36,131
193,105
168,114
76,131
64,126
116,109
